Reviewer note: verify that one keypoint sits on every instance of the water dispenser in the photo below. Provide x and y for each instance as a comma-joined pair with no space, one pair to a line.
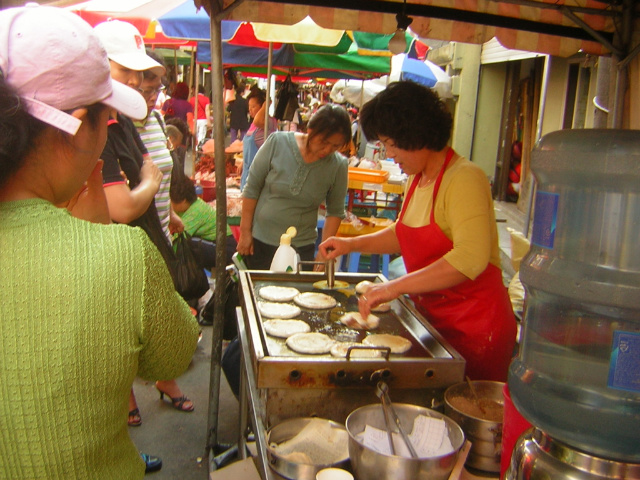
577,375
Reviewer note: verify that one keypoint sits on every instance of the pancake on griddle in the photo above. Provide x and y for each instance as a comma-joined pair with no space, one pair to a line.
312,343
396,343
315,300
278,327
276,293
339,349
278,310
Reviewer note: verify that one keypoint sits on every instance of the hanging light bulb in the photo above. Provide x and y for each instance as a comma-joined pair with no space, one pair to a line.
398,43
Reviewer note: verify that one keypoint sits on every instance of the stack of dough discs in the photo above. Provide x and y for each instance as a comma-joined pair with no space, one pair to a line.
363,286
396,343
339,349
275,293
354,320
278,327
315,301
312,343
278,310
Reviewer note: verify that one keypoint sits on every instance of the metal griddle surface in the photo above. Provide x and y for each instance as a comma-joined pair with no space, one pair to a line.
400,320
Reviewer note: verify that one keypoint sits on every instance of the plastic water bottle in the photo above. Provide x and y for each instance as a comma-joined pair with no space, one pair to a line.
189,163
577,375
286,259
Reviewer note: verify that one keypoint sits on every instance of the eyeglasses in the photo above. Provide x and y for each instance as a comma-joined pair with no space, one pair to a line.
150,92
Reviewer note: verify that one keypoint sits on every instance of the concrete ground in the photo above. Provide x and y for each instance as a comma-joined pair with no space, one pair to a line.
179,438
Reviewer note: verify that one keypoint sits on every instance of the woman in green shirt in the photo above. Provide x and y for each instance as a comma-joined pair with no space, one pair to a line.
292,174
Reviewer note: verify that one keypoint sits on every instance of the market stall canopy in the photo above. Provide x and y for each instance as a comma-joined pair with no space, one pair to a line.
546,26
305,49
366,56
253,61
143,14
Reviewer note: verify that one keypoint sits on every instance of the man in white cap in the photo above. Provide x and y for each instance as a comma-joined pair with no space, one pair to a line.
132,196
78,322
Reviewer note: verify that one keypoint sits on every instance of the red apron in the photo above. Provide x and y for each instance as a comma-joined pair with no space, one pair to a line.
475,316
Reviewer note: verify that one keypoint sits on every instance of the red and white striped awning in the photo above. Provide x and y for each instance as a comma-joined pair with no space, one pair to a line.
544,26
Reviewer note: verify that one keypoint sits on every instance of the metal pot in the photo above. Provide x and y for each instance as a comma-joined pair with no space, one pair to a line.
485,435
288,429
369,464
537,455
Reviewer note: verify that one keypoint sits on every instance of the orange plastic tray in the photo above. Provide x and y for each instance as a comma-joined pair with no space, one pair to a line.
367,175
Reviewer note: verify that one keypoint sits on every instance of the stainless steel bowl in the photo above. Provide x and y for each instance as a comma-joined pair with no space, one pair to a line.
369,464
484,435
288,429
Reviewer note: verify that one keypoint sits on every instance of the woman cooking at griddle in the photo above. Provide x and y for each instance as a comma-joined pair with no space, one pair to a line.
446,232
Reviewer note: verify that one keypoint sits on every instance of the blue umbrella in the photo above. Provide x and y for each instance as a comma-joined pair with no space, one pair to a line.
418,72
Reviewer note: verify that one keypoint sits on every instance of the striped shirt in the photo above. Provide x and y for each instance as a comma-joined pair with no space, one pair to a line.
152,134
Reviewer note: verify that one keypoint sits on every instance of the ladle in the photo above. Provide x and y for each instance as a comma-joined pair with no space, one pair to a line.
382,391
476,398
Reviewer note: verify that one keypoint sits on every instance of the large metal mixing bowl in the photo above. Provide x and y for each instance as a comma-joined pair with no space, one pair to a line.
368,464
288,429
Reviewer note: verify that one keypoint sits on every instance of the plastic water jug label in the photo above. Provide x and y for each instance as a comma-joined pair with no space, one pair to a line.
544,220
624,368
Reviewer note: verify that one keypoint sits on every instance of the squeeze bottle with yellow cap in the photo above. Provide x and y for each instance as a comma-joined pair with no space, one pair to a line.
286,259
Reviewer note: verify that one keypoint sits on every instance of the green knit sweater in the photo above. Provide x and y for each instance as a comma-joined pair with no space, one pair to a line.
84,308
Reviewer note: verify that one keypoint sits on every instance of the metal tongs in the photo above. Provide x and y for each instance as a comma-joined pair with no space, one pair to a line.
382,391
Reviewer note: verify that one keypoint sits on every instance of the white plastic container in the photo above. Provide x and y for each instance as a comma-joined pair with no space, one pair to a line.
286,259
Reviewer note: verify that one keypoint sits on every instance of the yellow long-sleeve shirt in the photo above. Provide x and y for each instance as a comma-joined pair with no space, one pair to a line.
464,212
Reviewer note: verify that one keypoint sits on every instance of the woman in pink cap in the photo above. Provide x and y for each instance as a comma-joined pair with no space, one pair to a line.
78,322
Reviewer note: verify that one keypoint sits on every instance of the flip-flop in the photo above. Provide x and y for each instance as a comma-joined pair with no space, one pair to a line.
135,420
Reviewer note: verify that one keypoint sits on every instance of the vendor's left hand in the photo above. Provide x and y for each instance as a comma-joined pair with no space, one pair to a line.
375,295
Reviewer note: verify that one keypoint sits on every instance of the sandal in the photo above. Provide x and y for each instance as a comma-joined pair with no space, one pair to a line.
135,420
179,402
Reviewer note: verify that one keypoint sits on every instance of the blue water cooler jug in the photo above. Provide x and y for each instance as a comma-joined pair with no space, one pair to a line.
577,375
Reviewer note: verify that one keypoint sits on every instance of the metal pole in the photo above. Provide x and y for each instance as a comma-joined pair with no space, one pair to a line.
268,100
221,237
195,105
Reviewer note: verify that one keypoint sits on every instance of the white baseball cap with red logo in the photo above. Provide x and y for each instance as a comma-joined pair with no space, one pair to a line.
125,46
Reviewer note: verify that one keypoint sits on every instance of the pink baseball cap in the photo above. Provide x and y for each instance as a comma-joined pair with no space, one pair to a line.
56,63
125,46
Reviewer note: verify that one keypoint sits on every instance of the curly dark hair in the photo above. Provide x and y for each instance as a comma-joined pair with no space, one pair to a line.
410,114
182,189
330,119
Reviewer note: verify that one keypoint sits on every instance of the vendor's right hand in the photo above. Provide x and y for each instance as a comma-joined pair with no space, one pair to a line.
150,172
333,247
375,295
245,244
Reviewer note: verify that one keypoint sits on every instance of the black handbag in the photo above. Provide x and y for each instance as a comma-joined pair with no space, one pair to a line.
190,279
231,301
286,100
